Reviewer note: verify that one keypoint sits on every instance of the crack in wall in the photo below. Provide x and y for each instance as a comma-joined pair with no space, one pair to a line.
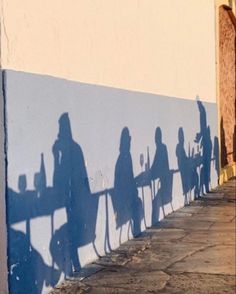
3,33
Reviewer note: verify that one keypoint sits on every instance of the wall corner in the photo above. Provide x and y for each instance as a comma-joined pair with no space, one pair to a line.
3,226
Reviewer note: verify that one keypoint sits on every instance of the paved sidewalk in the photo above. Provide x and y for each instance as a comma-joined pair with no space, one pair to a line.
190,251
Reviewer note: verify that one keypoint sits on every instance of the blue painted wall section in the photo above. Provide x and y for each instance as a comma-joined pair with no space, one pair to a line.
91,166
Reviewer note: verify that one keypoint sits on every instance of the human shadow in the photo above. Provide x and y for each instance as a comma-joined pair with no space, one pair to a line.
126,202
70,191
162,194
216,155
203,138
27,269
224,159
70,180
159,177
205,175
28,272
183,165
187,165
194,163
144,179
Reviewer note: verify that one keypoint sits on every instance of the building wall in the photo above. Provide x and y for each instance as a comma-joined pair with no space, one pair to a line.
154,47
225,56
227,84
43,198
111,72
3,231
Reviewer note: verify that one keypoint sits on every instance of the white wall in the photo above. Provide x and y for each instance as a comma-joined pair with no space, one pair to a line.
97,116
155,46
162,47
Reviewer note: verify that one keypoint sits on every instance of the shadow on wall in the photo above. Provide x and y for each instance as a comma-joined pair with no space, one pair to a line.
216,154
27,270
71,191
188,169
224,160
203,138
71,181
234,134
127,205
234,144
159,178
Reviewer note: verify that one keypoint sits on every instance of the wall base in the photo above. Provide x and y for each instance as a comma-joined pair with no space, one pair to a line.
227,172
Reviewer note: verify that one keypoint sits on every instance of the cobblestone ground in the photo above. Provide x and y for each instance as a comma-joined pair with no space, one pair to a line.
190,251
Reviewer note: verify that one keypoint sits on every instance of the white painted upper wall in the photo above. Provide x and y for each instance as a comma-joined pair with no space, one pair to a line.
163,47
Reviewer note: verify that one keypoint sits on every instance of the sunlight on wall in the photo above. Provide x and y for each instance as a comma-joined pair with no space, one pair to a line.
162,47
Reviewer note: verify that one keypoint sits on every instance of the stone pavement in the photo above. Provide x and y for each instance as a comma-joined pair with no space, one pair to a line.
190,251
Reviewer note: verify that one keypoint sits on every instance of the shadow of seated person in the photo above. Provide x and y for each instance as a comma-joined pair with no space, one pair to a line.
126,202
160,170
70,181
28,272
183,165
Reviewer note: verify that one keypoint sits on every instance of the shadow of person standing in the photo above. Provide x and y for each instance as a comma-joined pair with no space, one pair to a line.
160,169
126,203
203,137
70,181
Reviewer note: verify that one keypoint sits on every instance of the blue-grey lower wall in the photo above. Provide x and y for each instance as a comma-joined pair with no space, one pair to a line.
90,166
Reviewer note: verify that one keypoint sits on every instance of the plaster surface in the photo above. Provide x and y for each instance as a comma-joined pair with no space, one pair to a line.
128,44
112,132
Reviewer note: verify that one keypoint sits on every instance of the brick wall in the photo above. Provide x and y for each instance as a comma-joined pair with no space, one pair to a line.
227,83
